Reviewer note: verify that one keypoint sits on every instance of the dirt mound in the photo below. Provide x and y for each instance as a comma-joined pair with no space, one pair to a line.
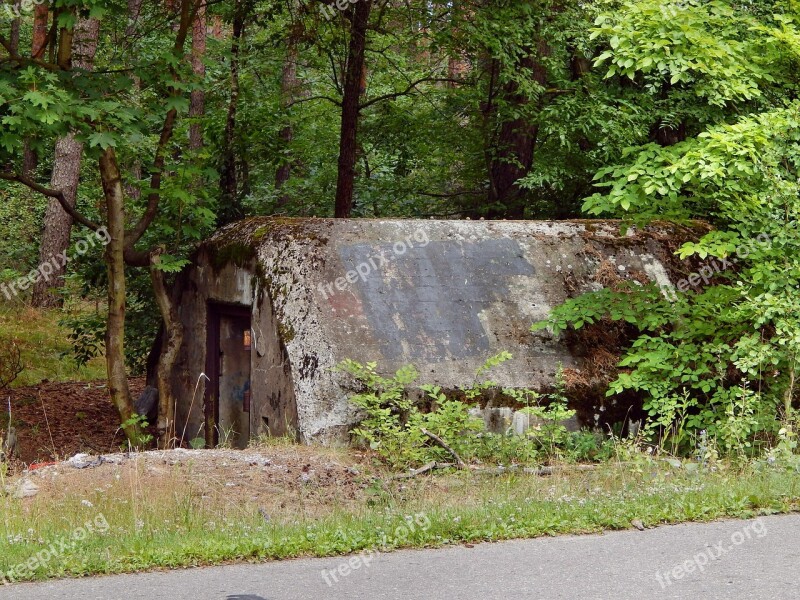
278,479
56,420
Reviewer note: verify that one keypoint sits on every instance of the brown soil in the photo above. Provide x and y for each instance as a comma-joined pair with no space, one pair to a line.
58,420
279,479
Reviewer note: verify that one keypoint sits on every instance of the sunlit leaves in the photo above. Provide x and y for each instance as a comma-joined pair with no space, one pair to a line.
689,43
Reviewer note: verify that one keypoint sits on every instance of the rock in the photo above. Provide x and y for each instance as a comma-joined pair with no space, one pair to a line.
498,420
147,404
572,425
25,488
84,461
522,422
638,524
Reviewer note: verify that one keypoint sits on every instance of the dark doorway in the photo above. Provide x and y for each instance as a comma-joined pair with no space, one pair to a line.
228,351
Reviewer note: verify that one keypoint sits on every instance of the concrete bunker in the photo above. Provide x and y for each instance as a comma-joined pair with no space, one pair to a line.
272,305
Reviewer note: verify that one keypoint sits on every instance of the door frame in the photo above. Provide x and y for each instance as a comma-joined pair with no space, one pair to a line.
215,311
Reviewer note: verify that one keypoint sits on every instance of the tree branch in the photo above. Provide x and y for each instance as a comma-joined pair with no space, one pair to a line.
439,441
50,193
407,91
309,99
24,60
188,10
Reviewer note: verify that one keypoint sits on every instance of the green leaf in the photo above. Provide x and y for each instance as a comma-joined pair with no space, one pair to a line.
102,139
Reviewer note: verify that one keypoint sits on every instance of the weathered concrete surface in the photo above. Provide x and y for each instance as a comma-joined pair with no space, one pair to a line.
442,295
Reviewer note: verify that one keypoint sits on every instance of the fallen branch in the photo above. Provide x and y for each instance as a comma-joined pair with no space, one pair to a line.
424,469
544,471
539,472
459,462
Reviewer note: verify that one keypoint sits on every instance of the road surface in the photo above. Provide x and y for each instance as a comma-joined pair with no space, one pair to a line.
757,559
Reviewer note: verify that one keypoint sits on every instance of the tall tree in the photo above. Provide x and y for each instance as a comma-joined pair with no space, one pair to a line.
512,154
65,176
198,96
116,123
358,16
39,44
229,186
289,91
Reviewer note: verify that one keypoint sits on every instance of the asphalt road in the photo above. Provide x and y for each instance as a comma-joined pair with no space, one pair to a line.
724,560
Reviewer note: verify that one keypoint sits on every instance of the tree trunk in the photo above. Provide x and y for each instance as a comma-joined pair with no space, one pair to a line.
513,156
13,38
172,340
230,209
132,189
115,262
65,176
353,82
197,106
41,14
289,86
134,10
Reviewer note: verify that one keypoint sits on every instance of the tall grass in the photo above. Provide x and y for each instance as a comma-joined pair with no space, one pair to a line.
182,521
45,347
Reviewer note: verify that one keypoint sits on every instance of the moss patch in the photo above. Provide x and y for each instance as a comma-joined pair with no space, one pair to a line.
241,255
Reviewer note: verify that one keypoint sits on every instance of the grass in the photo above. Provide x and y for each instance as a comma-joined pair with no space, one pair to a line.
45,346
188,521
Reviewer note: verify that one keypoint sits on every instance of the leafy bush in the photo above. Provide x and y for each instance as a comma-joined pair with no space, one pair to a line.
719,355
88,329
394,425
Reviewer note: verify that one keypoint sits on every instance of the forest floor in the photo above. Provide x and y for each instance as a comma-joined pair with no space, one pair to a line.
57,407
57,420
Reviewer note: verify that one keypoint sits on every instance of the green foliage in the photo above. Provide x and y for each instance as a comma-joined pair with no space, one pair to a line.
20,213
140,423
86,334
87,329
552,434
393,422
722,356
702,47
197,443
